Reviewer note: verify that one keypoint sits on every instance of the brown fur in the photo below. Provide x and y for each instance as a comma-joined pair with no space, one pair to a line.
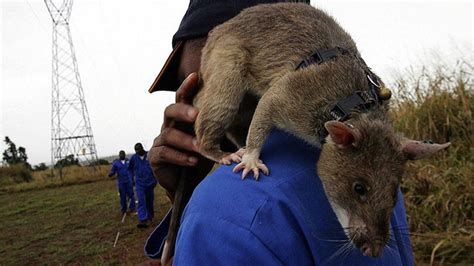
256,53
378,162
240,58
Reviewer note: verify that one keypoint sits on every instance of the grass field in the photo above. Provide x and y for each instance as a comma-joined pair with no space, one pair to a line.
74,224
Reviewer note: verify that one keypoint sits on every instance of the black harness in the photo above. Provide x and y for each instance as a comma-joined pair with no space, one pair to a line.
359,100
321,56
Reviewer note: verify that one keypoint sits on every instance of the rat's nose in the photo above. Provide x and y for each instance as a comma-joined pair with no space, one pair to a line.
371,250
366,250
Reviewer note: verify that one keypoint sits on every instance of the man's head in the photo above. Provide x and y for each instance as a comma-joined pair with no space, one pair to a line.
190,59
139,149
122,155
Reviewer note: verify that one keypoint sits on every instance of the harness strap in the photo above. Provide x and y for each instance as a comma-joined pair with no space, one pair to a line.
359,100
321,56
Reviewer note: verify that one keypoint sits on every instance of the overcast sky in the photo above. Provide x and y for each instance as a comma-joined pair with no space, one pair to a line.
121,45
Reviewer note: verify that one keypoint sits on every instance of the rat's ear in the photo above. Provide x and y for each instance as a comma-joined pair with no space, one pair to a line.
414,149
341,134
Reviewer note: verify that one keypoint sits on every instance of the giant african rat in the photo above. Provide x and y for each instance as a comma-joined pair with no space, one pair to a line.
258,53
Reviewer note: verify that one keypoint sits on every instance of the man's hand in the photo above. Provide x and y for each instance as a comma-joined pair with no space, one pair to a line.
174,147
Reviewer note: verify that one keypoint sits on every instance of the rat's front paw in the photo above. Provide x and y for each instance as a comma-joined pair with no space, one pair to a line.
251,164
229,158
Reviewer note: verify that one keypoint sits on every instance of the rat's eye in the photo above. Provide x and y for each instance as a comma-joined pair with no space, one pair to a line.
360,189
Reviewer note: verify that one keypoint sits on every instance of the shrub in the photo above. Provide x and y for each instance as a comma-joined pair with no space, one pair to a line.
15,174
40,167
69,160
99,162
439,192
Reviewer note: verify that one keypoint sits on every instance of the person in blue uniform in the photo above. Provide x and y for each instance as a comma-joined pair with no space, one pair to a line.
282,219
124,182
145,184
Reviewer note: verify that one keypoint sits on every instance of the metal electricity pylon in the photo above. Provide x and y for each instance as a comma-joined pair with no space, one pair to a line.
71,132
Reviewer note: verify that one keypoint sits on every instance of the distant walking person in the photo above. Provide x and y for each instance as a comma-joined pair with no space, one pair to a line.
145,183
124,182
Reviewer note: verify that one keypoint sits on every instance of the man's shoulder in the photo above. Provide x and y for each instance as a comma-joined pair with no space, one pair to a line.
271,211
225,195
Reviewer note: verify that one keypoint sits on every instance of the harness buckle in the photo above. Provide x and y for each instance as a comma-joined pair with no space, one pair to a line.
358,100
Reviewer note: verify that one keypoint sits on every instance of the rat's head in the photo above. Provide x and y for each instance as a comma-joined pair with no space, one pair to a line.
360,166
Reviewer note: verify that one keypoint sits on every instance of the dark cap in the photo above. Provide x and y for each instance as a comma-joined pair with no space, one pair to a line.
200,18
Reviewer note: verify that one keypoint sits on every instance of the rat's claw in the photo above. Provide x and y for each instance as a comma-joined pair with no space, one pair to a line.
231,157
238,167
245,172
236,157
250,163
255,173
251,167
224,161
264,168
260,166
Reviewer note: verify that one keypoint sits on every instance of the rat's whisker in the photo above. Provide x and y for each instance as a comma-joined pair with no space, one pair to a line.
330,238
347,253
400,228
391,249
334,240
337,229
340,251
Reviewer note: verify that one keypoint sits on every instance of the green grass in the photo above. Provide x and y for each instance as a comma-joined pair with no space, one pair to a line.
74,224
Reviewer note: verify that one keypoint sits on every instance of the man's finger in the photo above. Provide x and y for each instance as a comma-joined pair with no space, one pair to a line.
165,154
188,89
176,138
179,112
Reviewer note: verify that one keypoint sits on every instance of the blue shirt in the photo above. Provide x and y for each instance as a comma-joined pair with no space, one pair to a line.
121,169
141,169
282,219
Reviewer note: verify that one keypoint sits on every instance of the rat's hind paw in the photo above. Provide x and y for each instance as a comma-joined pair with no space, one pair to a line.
251,165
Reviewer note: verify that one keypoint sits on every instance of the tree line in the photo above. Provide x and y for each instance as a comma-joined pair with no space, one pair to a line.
14,155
